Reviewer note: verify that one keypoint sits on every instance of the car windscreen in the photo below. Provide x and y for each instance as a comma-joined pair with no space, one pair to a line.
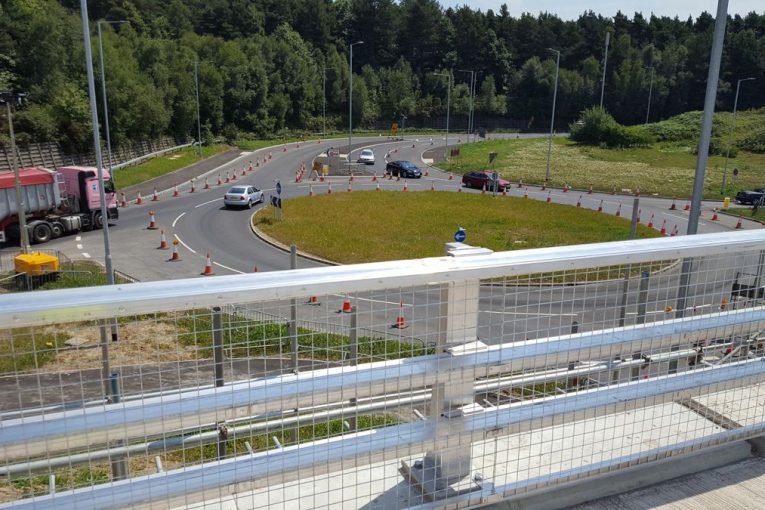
236,191
407,164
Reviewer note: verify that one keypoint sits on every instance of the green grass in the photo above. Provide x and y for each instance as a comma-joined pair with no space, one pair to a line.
23,349
747,212
374,226
665,169
162,165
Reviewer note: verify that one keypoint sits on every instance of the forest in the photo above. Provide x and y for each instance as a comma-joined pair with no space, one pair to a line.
269,67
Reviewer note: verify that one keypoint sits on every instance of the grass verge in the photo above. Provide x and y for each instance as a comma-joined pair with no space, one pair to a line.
747,212
375,226
162,165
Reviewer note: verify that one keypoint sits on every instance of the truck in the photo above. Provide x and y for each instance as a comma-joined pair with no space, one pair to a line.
57,202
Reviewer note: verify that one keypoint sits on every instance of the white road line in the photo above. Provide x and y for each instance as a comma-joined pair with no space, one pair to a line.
86,255
78,238
676,216
228,268
176,221
180,241
200,205
79,247
533,313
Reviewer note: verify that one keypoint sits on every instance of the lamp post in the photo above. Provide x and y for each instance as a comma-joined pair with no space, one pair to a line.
552,120
324,102
650,90
470,109
199,121
350,102
103,90
732,129
605,64
8,98
448,107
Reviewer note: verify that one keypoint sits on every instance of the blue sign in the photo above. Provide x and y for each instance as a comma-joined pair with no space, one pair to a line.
278,188
460,235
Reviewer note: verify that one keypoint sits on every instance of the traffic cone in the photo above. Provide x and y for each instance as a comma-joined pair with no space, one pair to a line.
139,200
310,190
459,189
426,172
374,177
738,224
175,257
520,184
155,196
650,222
284,149
400,319
637,192
565,188
228,179
255,268
613,190
193,186
674,231
638,215
723,303
600,207
579,202
663,230
162,241
504,192
398,177
406,187
321,177
377,188
233,175
350,178
208,270
347,308
152,223
673,206
589,190
329,188
313,300
250,169
687,206
244,171
526,193
619,211
714,216
270,155
207,184
432,185
176,193
349,187
483,190
124,201
549,197
219,181
451,177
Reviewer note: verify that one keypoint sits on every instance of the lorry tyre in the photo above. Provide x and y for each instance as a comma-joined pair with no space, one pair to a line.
42,233
57,229
98,220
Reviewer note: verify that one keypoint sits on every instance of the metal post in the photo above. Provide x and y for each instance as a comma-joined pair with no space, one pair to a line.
119,463
292,326
350,103
222,440
472,106
634,224
20,205
626,282
470,99
217,333
642,297
199,120
574,327
605,65
448,104
552,119
732,132
650,91
105,368
354,360
703,150
324,103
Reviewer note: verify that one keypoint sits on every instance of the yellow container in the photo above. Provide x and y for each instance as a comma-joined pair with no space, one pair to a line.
35,264
726,202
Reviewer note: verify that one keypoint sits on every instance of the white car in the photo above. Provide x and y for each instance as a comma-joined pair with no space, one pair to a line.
242,196
367,157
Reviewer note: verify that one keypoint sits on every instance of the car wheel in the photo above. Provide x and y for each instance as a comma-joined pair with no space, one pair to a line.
57,229
41,233
249,204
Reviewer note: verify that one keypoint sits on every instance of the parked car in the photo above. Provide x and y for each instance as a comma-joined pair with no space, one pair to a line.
749,197
480,179
242,196
403,168
367,157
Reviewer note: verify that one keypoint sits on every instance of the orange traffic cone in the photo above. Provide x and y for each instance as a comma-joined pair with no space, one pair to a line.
714,216
504,192
228,179
738,224
377,188
451,177
207,183
600,207
526,193
347,308
250,169
619,211
310,190
663,230
432,185
152,223
124,201
650,222
374,177
674,231
193,184
637,192
233,175
175,257
219,181
350,179
139,200
329,188
406,187
176,193
579,202
687,206
400,319
638,215
589,191
313,300
244,171
549,197
483,190
349,187
426,172
208,270
565,188
673,206
155,196
255,268
162,241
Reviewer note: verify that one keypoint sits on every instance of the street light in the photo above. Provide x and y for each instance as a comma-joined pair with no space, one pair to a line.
324,103
8,98
350,103
199,121
552,120
732,129
103,89
605,64
470,109
650,90
448,105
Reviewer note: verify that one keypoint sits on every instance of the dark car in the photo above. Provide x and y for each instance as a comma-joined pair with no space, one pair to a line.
403,169
489,179
749,197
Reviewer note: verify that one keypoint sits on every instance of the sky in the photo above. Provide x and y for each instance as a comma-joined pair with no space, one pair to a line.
566,9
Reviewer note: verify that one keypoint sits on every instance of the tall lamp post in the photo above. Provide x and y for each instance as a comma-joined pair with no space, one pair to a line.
8,98
350,102
324,102
448,107
552,119
605,64
733,128
199,120
650,91
103,89
470,109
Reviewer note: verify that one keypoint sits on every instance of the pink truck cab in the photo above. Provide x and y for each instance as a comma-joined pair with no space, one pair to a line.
81,182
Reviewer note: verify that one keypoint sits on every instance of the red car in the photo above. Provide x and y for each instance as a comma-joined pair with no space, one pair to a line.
489,179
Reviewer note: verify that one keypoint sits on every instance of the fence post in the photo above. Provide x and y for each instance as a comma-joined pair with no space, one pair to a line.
292,331
217,333
119,463
642,297
354,360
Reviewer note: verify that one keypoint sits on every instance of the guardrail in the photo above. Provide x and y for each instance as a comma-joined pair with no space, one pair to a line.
532,385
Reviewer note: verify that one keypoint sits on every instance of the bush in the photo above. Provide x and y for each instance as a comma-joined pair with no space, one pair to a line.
597,127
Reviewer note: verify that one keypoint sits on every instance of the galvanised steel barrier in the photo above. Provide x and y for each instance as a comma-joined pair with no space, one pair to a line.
493,375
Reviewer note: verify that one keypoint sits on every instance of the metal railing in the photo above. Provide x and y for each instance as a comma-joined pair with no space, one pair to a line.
547,368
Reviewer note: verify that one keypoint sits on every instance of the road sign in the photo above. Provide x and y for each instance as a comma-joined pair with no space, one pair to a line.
460,235
278,188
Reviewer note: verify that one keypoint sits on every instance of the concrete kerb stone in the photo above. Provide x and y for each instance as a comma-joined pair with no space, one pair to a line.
283,247
736,216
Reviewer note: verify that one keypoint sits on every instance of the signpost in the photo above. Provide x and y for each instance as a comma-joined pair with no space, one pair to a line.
460,235
278,200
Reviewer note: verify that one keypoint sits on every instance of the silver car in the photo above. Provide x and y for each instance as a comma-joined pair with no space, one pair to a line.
242,196
367,157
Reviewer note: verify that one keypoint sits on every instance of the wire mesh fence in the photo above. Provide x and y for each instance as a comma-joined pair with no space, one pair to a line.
463,379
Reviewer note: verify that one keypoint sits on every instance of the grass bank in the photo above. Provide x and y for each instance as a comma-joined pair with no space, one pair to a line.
162,165
375,226
666,169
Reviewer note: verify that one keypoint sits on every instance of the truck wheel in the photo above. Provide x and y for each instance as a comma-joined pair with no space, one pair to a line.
57,229
42,233
98,220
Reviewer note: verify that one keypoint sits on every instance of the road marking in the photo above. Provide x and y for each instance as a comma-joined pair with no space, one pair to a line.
200,205
86,255
226,267
79,247
180,241
78,238
533,313
676,216
176,221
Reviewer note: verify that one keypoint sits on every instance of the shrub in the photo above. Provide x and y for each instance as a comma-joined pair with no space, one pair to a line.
597,127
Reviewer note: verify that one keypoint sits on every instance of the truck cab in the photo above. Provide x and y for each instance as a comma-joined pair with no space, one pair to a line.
81,187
